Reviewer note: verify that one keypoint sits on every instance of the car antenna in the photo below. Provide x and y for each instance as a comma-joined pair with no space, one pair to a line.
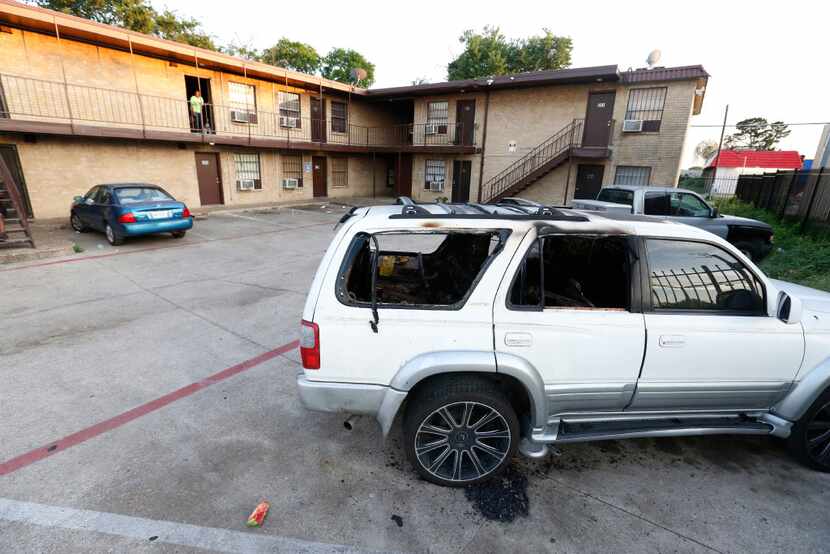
373,323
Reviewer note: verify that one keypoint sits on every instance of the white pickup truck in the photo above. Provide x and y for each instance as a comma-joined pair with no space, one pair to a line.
752,237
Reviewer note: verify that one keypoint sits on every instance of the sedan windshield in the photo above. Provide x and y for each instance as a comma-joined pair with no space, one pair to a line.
134,195
616,196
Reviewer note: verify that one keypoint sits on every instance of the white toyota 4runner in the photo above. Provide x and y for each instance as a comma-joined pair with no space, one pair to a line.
488,329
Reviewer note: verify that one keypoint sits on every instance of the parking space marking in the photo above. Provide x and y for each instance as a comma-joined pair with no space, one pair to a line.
114,422
153,248
169,532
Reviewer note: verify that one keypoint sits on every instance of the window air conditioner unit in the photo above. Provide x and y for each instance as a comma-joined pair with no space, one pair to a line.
246,184
290,184
431,129
436,186
632,125
290,122
239,116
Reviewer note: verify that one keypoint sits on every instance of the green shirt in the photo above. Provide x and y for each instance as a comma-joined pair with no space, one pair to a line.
196,103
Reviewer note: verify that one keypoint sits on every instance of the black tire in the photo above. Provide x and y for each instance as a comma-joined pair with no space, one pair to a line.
77,224
472,451
178,234
810,437
112,237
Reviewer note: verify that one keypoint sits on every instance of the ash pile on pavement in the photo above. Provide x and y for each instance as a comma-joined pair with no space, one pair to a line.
502,498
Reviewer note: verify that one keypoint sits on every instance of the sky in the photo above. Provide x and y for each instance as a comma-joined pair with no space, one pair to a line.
765,59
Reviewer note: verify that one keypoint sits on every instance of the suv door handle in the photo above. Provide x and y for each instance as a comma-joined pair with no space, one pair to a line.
672,341
518,339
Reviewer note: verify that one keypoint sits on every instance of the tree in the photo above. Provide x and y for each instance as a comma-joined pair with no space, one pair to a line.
420,81
135,15
292,55
338,64
706,149
489,53
756,133
245,51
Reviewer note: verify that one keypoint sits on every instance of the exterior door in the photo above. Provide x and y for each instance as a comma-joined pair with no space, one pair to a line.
320,175
465,119
588,181
711,343
598,119
209,178
588,358
403,185
461,180
318,120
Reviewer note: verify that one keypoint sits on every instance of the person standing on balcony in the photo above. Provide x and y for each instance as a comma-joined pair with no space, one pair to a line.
196,105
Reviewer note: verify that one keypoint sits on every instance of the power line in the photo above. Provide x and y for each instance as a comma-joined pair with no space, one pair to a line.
765,125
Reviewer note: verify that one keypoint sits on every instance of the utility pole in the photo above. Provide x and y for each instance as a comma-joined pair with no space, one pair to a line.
720,145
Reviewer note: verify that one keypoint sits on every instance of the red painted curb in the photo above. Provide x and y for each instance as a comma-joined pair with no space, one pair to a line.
107,425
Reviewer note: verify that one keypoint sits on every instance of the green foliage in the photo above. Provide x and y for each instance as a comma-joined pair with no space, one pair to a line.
756,133
292,55
135,15
489,53
798,258
244,51
338,64
77,248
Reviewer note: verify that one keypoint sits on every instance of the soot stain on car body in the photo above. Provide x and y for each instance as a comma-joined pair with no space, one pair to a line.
502,498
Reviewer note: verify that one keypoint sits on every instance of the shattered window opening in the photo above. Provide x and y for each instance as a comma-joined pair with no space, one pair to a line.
417,269
578,272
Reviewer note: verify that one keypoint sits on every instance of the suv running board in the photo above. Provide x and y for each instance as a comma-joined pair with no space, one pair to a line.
590,429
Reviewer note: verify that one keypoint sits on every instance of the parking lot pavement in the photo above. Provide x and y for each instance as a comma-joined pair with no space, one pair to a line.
162,373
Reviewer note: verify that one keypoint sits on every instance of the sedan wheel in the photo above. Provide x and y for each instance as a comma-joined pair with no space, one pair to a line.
77,224
462,441
112,238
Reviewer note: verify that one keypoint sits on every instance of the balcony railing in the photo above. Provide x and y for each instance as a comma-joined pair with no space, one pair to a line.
37,100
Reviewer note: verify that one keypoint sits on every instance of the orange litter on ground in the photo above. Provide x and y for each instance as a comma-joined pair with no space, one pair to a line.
258,515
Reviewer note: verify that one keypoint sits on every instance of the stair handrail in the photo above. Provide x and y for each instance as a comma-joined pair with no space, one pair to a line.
14,194
569,136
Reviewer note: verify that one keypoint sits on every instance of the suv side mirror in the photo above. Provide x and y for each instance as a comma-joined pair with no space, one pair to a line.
715,213
790,308
77,199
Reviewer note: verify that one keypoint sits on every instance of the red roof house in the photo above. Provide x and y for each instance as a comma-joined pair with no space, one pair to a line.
766,159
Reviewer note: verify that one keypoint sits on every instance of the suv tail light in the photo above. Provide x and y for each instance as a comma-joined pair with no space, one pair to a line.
128,217
310,345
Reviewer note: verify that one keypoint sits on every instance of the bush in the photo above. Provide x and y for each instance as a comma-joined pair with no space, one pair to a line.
797,257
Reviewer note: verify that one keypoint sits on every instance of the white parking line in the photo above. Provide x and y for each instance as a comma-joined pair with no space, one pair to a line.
182,534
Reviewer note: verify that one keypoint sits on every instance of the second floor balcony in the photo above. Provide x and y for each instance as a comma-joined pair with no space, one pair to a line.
54,107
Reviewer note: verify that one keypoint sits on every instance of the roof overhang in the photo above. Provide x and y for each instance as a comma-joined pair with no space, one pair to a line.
40,20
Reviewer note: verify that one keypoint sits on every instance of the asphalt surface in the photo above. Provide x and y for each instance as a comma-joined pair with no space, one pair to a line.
148,404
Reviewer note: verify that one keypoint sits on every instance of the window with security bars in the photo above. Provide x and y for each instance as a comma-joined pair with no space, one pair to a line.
242,101
436,171
646,104
632,175
339,172
339,115
699,276
248,175
292,168
437,117
290,111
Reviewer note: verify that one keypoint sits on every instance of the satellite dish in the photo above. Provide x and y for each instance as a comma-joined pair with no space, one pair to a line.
653,58
358,74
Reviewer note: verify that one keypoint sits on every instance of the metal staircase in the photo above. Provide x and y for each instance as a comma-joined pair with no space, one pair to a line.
18,232
540,161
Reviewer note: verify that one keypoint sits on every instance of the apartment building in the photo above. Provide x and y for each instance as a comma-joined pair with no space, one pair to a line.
83,103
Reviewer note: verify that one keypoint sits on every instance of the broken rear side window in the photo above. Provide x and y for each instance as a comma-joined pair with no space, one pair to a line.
574,271
435,269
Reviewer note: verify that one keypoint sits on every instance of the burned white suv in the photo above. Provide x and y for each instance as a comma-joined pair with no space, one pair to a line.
488,329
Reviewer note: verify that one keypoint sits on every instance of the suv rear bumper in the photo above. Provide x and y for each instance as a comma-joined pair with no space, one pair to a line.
351,398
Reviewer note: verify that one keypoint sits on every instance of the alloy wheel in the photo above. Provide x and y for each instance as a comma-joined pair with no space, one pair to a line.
110,234
76,222
462,441
818,436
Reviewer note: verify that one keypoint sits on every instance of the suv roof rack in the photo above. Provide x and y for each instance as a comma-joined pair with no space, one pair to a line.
471,210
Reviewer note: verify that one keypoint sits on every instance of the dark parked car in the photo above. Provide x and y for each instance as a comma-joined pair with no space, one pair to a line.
128,210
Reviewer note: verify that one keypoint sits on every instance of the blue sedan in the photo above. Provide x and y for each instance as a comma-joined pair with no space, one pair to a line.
128,210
